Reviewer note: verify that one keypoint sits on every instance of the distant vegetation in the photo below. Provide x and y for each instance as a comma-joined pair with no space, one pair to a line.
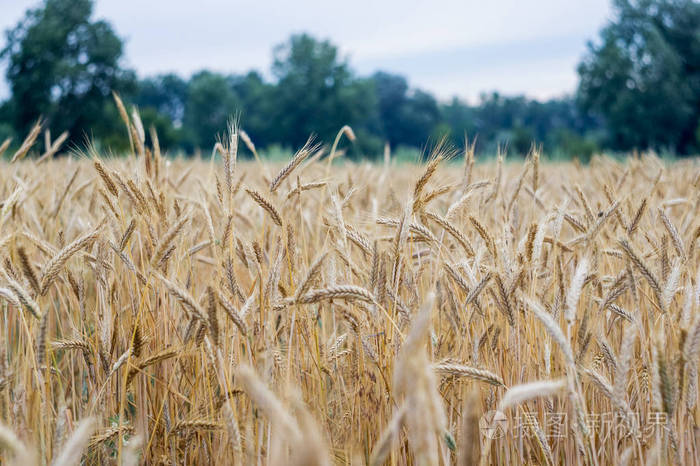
639,89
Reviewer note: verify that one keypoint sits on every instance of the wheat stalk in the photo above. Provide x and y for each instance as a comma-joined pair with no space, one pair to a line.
53,267
297,159
266,205
351,292
527,391
460,370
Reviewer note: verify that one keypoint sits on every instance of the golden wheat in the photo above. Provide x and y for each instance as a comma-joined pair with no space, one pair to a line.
366,315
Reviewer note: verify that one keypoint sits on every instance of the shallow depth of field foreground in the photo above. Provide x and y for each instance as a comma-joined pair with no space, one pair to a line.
195,312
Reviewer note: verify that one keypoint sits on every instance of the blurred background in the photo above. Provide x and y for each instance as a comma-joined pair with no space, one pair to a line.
575,78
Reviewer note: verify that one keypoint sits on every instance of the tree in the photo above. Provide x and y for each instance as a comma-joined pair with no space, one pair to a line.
6,129
643,76
210,104
166,94
161,101
420,115
257,106
316,91
459,117
391,90
408,116
64,65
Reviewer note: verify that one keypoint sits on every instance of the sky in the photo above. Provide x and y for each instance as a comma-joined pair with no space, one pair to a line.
450,48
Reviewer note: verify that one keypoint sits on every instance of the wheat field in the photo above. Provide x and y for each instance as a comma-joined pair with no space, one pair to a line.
169,311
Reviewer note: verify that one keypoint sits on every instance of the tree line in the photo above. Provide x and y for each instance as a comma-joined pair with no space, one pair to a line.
639,88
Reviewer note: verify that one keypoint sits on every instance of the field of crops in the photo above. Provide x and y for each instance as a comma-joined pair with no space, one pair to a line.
230,312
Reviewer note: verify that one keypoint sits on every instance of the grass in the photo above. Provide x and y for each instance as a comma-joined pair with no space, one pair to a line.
194,312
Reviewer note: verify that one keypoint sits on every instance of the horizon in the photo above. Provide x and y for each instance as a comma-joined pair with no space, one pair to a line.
495,52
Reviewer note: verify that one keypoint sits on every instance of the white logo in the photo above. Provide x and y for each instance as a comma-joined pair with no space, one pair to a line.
493,425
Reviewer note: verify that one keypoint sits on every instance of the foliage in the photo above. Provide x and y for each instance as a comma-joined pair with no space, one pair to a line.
643,75
210,102
63,65
407,116
316,91
639,88
166,94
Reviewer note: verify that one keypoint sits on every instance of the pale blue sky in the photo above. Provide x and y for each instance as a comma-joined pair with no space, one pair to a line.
450,48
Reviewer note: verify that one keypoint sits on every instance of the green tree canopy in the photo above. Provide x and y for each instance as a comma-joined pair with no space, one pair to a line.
210,103
63,65
257,106
316,91
166,93
643,76
408,116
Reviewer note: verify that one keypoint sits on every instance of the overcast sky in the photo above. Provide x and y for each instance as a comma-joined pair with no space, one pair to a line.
450,48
